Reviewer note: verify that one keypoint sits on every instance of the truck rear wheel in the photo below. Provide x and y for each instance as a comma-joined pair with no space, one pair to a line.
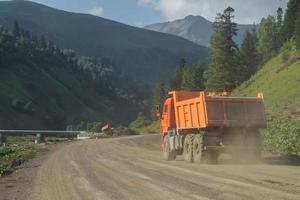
167,153
188,148
198,148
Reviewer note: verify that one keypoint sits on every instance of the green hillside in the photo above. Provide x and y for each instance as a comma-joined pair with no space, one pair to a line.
279,80
43,86
145,55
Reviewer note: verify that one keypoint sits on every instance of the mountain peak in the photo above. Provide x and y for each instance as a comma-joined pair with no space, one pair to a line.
194,28
189,17
195,17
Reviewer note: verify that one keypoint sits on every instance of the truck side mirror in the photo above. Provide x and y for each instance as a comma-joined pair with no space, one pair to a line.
157,111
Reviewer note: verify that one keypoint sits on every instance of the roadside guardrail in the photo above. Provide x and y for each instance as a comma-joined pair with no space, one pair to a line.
40,134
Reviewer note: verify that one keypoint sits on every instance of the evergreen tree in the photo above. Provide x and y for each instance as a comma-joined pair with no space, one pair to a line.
193,79
27,34
159,95
51,46
176,80
290,18
223,67
267,38
16,29
279,17
280,38
43,42
34,39
297,32
249,56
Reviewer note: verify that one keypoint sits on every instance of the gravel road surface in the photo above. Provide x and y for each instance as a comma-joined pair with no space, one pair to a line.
133,168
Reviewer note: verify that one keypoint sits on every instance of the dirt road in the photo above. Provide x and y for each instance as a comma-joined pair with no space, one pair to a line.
132,168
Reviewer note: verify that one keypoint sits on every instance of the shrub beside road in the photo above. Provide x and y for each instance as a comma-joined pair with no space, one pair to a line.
17,151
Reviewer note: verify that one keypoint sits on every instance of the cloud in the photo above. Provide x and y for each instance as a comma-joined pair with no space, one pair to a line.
246,11
97,11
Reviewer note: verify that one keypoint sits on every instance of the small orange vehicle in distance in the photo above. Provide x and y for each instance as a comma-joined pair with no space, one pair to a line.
199,123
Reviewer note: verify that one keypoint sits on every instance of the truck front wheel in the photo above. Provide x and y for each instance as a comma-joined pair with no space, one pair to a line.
188,148
198,148
167,153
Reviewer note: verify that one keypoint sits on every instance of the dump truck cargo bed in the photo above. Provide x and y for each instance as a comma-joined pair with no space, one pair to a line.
198,110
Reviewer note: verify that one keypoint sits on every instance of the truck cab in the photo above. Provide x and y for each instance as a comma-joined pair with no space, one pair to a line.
168,116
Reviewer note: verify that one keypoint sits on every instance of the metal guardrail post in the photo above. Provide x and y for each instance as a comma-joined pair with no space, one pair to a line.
40,134
3,139
40,138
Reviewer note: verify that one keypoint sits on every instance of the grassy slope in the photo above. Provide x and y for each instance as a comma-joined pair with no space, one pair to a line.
279,80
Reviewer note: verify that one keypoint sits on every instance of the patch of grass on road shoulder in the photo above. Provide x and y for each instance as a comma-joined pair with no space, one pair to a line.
18,151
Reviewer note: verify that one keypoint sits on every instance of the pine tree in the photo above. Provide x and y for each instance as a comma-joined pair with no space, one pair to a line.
43,42
223,67
159,95
280,38
290,18
267,38
249,56
297,32
16,29
27,35
193,79
176,80
51,47
279,17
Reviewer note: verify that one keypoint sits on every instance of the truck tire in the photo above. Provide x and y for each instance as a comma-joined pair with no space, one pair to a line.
168,155
198,148
188,148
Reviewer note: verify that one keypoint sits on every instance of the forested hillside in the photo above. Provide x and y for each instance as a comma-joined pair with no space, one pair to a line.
145,55
43,86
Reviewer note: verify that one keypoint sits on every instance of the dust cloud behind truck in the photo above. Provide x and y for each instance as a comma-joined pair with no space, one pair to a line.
199,123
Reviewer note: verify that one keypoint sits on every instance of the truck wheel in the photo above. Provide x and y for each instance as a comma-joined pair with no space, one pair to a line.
198,148
167,153
188,148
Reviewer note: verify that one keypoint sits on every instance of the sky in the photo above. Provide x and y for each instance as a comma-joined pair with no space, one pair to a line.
145,12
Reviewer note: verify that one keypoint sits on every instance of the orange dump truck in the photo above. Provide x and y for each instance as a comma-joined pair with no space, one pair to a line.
197,124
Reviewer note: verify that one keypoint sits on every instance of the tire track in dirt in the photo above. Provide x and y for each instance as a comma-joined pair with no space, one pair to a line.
132,168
